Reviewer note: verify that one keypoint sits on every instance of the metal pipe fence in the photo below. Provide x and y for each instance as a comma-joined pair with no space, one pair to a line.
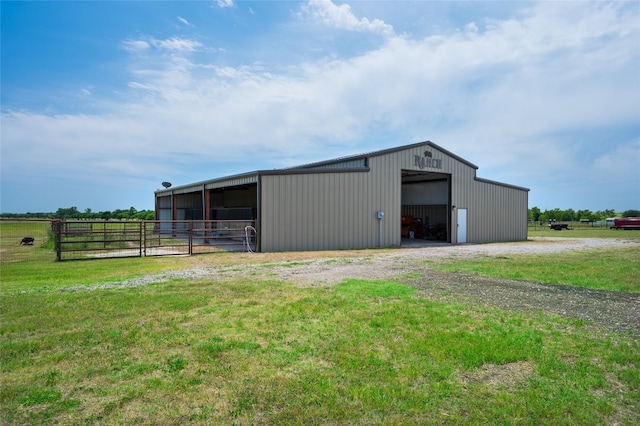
86,239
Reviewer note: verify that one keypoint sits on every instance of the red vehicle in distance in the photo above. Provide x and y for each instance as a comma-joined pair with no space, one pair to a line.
626,223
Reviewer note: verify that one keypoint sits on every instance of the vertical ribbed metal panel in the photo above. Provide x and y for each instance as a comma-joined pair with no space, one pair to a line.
191,200
494,212
164,202
320,211
497,213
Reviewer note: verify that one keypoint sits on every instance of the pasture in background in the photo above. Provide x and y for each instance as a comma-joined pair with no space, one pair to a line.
14,231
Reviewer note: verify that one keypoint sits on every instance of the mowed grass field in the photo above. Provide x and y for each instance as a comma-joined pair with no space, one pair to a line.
254,351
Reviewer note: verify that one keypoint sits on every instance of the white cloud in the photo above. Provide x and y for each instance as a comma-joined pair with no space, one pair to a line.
177,44
502,94
184,21
135,45
173,44
343,18
225,3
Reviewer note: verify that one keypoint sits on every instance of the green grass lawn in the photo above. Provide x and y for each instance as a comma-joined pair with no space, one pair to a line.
615,269
267,352
250,351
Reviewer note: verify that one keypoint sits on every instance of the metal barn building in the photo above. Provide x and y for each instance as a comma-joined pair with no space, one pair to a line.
363,201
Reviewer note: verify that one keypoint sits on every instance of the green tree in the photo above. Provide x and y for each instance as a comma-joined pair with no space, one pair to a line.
555,214
132,213
631,213
67,213
584,214
605,214
534,214
568,215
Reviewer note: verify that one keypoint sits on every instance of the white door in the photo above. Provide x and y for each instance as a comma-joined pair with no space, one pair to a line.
462,226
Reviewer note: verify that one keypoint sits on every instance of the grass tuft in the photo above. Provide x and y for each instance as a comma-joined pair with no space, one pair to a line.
365,288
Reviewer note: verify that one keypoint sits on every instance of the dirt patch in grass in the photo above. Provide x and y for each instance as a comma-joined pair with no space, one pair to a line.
507,376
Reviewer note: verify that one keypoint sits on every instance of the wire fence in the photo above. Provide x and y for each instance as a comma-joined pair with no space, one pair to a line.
541,225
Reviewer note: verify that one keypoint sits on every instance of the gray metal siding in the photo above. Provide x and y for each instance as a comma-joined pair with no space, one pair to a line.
494,212
425,193
330,210
449,165
497,213
337,210
242,180
164,202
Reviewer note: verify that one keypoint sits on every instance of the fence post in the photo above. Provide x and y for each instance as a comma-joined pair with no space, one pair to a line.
141,228
143,236
58,230
190,231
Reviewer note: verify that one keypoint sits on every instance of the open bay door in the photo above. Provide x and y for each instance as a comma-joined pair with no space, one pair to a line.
462,226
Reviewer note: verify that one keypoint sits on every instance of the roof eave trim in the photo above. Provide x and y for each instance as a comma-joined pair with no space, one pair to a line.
314,171
507,185
205,182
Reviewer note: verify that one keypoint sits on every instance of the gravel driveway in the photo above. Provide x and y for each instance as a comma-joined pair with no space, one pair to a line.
615,311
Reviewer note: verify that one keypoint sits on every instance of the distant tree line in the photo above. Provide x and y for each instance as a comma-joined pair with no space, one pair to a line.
535,214
570,215
74,213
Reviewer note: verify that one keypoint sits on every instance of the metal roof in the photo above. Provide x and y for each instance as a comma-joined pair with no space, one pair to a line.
341,164
379,153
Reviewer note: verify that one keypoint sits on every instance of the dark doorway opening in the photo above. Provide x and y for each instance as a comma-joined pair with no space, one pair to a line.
426,206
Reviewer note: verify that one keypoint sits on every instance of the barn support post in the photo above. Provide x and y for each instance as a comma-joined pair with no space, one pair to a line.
141,233
174,212
258,218
206,212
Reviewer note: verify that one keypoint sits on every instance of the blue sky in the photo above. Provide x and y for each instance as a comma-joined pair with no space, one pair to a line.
103,101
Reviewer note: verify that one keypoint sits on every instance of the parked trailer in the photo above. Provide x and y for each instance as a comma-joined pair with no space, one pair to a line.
558,226
626,223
